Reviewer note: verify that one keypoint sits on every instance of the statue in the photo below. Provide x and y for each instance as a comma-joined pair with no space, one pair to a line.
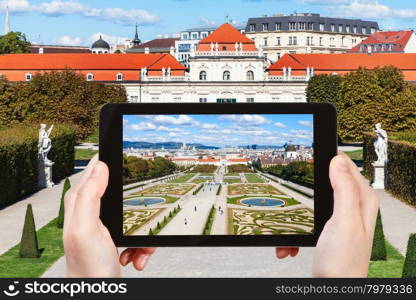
45,164
380,145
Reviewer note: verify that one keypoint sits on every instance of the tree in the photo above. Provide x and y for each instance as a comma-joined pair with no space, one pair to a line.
117,51
61,214
378,251
29,242
14,42
323,88
368,97
409,267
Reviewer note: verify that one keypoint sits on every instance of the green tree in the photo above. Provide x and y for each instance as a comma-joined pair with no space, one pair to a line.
323,88
378,251
14,42
29,242
409,267
61,214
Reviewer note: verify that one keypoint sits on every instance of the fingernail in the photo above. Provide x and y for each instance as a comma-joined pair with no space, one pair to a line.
342,163
96,170
145,260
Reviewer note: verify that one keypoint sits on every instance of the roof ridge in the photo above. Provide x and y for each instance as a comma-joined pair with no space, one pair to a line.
157,60
294,58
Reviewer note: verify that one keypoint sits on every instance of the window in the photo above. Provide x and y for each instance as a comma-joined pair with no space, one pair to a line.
292,25
226,75
355,29
332,27
252,27
361,48
134,99
302,25
309,40
290,40
363,30
194,36
278,55
295,40
278,41
119,77
321,27
204,34
90,77
375,47
265,27
155,99
203,100
185,36
383,47
354,41
332,41
265,41
28,76
278,26
203,75
177,99
373,30
347,28
250,75
320,41
391,47
224,48
342,41
310,26
250,100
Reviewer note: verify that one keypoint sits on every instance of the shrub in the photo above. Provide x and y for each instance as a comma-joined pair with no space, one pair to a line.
324,88
29,242
378,251
409,267
151,231
61,214
219,190
19,159
369,155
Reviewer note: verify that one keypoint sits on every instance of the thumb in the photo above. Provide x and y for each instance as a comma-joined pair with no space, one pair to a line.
87,206
346,192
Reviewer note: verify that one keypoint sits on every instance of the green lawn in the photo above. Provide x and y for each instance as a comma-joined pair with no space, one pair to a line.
84,154
232,174
253,178
232,180
182,179
390,268
50,238
356,155
198,180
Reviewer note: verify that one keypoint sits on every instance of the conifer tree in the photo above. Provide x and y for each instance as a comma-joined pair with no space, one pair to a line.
409,267
379,245
61,214
29,242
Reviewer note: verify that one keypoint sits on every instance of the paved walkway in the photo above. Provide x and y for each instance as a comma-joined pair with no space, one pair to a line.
45,204
399,220
214,262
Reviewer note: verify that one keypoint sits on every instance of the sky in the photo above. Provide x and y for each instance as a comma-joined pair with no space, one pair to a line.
220,130
80,22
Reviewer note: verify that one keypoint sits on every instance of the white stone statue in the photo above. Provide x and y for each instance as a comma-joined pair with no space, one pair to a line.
45,164
380,145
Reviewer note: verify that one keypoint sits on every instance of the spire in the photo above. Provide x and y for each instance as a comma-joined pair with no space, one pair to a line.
7,24
136,40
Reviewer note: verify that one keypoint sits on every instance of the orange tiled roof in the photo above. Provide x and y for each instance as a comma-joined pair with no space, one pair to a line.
208,160
88,61
238,160
228,34
398,38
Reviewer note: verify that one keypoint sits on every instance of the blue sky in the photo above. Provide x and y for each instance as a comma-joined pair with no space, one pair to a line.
81,21
220,130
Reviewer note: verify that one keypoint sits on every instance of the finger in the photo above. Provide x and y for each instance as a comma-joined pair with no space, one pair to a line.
140,260
294,252
346,194
368,198
282,252
87,204
126,256
70,195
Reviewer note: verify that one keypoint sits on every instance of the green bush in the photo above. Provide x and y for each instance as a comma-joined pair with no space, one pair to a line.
198,189
323,88
409,267
378,251
369,155
29,242
61,214
219,190
19,159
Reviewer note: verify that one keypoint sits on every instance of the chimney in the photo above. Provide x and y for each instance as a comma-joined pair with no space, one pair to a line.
146,50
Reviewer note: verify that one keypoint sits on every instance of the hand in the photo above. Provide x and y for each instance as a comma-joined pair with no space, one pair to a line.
344,247
89,249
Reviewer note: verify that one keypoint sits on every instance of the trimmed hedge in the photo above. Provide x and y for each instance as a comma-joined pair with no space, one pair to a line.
19,160
409,267
209,222
378,251
401,166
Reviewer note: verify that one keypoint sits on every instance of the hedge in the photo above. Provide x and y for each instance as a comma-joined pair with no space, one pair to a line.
19,159
401,166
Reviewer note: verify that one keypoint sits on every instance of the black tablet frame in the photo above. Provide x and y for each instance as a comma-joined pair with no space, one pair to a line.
325,148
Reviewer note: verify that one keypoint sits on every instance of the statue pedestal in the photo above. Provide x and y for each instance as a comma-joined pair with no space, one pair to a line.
45,175
379,176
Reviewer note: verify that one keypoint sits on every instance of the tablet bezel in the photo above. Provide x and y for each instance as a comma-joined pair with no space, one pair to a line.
111,127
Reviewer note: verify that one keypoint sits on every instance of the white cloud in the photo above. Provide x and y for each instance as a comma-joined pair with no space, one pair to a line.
180,120
112,40
305,123
279,125
59,7
68,41
247,119
143,126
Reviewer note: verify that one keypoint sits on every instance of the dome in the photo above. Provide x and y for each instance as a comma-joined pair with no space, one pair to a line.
290,148
100,44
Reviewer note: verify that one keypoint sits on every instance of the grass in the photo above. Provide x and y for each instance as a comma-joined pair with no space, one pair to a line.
183,178
199,180
232,174
253,178
50,238
232,180
356,155
390,268
206,174
84,154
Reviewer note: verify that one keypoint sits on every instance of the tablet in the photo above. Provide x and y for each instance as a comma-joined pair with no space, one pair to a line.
217,174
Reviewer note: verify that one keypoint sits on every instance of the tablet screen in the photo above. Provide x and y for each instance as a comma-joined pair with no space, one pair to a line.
247,174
